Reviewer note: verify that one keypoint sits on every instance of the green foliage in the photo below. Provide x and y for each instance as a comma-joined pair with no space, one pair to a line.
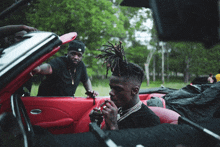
94,21
14,18
202,61
98,21
137,54
208,60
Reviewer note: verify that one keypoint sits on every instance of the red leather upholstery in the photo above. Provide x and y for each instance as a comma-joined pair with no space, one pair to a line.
164,102
63,115
148,96
166,115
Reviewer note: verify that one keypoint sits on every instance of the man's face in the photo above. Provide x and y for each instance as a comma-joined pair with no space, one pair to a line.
75,56
120,92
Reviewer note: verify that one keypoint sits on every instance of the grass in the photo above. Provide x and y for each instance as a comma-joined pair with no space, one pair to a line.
103,89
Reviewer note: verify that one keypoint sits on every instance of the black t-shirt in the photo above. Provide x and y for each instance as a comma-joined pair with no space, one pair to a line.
59,83
142,118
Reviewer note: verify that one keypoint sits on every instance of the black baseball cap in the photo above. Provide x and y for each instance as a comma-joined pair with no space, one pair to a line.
77,45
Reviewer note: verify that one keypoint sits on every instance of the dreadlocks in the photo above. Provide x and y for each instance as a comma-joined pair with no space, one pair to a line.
115,59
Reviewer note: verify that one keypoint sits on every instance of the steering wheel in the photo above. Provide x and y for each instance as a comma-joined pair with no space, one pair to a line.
18,108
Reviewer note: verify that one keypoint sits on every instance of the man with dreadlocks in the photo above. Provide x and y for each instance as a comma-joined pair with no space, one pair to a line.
124,110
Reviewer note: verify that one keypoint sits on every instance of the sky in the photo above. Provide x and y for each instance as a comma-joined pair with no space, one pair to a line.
143,36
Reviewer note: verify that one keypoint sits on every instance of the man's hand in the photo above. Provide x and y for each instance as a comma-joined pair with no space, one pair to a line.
96,116
92,94
12,29
29,29
110,112
35,71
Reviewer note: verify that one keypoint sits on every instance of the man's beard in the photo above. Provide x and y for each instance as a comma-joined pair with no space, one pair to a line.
71,62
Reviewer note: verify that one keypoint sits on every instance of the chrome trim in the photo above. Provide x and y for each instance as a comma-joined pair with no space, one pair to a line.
35,111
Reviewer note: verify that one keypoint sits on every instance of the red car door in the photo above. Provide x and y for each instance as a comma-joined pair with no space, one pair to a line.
60,115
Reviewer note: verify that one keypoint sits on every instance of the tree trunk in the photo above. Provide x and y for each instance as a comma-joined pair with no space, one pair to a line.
154,74
168,76
147,66
186,75
162,73
147,73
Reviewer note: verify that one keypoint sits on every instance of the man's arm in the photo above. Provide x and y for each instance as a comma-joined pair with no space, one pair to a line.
12,29
44,69
88,87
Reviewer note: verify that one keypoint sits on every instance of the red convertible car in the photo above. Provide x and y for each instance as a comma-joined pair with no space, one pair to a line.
58,115
64,121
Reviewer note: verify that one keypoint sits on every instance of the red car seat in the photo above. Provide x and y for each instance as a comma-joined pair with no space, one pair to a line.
166,115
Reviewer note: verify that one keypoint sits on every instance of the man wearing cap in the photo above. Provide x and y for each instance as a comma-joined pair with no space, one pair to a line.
65,73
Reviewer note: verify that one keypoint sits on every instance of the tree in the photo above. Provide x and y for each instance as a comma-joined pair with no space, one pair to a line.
15,17
147,65
167,63
154,42
206,61
186,58
137,53
94,21
162,72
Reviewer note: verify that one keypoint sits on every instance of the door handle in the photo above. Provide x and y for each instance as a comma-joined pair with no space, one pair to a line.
35,111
